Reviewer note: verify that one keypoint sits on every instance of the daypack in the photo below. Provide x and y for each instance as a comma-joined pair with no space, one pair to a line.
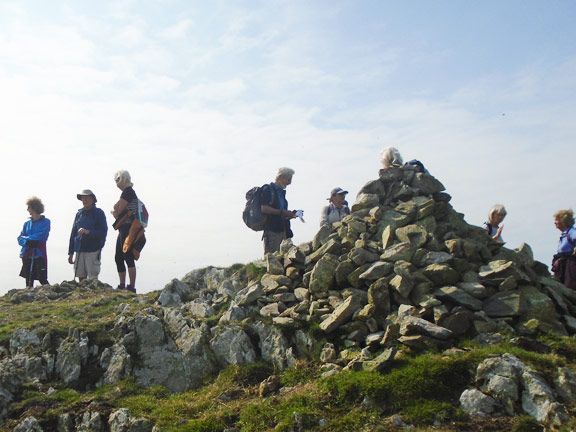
344,207
252,214
142,213
419,166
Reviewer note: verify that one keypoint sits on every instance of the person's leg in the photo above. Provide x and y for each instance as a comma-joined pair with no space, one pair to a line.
272,241
25,272
93,264
119,259
42,270
80,266
132,276
131,264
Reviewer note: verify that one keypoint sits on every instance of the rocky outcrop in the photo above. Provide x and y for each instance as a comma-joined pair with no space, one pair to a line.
508,387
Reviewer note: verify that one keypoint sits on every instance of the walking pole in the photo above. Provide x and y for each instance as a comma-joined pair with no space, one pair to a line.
76,258
30,277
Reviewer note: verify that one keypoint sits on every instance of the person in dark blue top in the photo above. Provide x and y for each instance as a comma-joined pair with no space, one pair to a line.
87,238
275,205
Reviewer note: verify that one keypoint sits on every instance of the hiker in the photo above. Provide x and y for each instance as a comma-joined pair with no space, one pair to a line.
564,262
337,209
33,241
495,217
87,237
391,157
273,203
131,237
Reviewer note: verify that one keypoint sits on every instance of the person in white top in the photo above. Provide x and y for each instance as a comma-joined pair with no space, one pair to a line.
495,217
337,209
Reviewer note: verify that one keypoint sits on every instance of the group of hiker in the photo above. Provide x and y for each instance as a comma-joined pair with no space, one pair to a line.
87,237
275,216
266,210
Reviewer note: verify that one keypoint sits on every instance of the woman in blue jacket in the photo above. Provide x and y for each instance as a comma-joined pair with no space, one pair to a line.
33,241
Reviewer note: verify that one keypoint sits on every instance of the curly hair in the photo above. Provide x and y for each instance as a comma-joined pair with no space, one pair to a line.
35,204
565,217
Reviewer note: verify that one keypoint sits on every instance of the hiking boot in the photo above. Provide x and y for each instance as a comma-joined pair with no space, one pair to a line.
121,287
131,288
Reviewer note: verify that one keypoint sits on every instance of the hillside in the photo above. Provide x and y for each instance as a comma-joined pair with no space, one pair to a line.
402,315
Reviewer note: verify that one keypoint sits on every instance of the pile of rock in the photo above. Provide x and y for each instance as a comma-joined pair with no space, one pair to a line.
405,266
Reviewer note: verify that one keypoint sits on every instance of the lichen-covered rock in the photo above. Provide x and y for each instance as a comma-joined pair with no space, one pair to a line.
454,295
174,293
159,361
117,363
505,384
29,424
121,420
69,361
504,304
23,339
322,277
341,314
231,345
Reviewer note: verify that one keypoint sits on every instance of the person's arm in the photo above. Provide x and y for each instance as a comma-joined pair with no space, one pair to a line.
99,228
498,232
119,207
73,233
324,216
266,209
22,238
40,231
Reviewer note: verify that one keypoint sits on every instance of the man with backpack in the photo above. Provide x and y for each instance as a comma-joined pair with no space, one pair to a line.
274,205
87,238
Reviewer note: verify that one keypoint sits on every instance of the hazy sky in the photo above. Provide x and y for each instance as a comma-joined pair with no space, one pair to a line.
202,100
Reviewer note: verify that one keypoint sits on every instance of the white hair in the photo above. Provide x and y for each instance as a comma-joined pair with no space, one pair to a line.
284,171
124,177
390,156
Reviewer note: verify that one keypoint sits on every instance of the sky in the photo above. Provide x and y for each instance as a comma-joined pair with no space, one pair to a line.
200,101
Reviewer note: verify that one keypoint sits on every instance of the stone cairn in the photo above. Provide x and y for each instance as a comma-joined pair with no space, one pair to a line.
405,266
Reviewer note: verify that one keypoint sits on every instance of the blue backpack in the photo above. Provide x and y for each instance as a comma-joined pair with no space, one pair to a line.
419,166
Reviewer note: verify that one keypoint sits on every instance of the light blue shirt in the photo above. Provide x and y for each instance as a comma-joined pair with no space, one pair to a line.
565,245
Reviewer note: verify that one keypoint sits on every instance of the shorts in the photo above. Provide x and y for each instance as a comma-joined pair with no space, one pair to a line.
272,241
87,265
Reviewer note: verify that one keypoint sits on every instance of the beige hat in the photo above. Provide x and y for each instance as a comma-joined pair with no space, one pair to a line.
86,192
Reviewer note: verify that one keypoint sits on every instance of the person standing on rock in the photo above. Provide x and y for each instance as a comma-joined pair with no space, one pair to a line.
87,238
337,209
33,241
129,243
274,204
495,217
564,262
